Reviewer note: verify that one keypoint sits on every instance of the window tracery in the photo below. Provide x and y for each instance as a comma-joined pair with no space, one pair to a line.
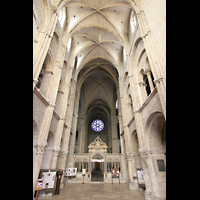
97,125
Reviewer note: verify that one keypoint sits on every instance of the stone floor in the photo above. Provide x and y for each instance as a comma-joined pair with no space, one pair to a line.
97,191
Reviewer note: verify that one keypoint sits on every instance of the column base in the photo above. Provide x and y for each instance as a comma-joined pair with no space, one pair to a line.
132,186
150,196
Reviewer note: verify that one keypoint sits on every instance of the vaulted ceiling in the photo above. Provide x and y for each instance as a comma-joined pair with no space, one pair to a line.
99,29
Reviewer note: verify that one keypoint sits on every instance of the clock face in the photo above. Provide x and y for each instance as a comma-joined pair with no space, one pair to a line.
97,125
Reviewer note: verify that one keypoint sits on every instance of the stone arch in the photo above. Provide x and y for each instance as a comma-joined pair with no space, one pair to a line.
98,156
154,127
45,75
135,142
58,43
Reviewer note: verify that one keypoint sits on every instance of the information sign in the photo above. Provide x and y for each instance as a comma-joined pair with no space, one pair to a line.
140,174
39,184
70,172
49,179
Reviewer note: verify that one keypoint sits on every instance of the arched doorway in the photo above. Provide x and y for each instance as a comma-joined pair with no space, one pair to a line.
156,146
97,168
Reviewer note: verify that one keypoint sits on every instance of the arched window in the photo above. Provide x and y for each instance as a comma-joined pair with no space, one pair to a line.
62,16
146,81
69,44
133,21
116,105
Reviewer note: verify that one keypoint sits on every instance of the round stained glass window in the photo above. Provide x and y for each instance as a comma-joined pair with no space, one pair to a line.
97,125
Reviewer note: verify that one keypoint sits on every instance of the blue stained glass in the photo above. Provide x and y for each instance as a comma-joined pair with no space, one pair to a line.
97,125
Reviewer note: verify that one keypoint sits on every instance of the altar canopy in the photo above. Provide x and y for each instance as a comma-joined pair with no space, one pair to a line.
97,144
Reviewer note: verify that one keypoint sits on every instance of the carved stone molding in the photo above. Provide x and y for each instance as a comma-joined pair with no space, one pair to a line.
40,148
129,156
56,152
143,152
97,144
63,154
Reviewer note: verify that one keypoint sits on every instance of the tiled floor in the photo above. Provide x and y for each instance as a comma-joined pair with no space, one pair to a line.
97,191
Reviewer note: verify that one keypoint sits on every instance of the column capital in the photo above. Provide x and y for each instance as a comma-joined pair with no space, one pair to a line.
40,147
63,154
143,152
56,151
129,156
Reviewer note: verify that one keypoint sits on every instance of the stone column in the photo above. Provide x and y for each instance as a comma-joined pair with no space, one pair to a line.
115,140
158,70
42,138
149,194
41,47
38,160
89,165
62,162
74,124
132,183
105,164
143,91
150,80
55,158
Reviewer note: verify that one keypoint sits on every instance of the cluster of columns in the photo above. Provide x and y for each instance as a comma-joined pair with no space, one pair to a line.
39,53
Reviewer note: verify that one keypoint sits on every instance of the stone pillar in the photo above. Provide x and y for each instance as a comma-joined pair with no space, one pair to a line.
74,124
115,140
41,47
62,162
89,165
149,194
38,160
42,138
158,70
132,183
150,80
105,164
55,158
60,126
143,91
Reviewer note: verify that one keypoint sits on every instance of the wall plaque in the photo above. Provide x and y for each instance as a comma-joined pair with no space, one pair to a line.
161,165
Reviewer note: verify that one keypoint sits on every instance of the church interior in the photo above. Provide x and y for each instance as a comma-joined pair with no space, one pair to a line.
99,94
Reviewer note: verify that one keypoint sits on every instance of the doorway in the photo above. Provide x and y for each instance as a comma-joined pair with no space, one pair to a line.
97,174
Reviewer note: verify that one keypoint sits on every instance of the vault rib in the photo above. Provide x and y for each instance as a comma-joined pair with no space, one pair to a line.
94,26
118,31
